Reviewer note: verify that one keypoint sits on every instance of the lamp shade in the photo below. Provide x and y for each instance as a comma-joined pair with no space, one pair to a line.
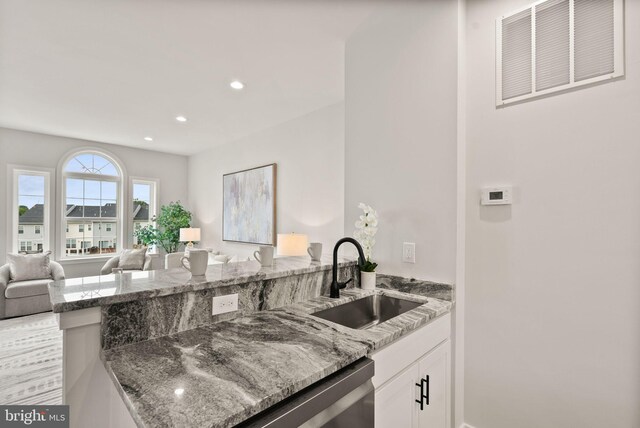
292,244
190,234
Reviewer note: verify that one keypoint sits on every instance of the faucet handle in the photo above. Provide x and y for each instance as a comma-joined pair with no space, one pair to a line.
344,284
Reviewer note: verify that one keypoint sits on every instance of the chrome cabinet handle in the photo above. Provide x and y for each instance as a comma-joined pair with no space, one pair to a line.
423,397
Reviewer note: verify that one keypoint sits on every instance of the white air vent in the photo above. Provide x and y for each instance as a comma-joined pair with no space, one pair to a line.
516,55
594,38
555,45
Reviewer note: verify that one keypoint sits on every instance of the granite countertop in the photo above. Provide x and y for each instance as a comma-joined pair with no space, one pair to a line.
80,293
220,375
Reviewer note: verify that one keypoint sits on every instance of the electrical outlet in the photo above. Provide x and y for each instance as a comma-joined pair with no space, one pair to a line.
409,252
224,304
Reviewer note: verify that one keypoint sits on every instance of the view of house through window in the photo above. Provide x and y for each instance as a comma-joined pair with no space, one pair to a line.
91,195
31,192
91,222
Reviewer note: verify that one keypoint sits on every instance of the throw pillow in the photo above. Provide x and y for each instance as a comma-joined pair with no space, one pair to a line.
30,266
223,258
132,259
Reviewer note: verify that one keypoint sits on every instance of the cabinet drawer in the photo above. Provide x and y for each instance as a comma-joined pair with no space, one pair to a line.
400,354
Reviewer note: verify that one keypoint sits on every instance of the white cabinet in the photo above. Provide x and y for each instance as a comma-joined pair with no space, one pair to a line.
410,370
436,365
395,402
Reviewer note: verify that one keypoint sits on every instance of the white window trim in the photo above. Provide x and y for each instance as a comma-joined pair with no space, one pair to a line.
123,194
12,213
618,69
153,208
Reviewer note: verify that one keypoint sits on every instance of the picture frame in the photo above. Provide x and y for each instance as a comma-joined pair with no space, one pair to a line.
249,205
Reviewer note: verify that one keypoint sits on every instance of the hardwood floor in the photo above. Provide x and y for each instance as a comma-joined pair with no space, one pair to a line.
31,360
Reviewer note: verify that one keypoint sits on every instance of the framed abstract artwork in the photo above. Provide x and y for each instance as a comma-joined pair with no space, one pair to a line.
249,205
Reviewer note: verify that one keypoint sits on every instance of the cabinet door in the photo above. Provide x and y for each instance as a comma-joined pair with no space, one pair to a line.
436,365
395,401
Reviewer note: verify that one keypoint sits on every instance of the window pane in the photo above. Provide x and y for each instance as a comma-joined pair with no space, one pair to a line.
86,246
109,209
92,231
77,234
75,207
140,211
72,236
31,210
75,188
29,202
142,207
92,164
32,185
105,239
109,190
92,208
91,189
104,166
142,192
80,163
81,236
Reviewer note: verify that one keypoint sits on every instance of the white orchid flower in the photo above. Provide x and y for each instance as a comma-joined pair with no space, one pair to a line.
366,228
371,231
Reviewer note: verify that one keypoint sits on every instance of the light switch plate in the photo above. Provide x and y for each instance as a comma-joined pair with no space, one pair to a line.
409,252
224,304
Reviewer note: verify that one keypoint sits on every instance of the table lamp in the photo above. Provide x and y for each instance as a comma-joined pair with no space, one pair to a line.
190,234
292,244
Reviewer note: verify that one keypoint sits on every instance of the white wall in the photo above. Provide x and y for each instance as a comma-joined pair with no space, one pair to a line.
309,151
40,150
553,281
401,76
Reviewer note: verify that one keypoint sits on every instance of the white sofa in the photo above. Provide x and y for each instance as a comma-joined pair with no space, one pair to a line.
173,260
19,298
113,262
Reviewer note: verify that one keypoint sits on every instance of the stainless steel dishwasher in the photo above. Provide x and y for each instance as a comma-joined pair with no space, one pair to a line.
344,399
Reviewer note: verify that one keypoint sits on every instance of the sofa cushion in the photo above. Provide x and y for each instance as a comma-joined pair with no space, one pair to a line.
31,266
132,259
34,287
222,258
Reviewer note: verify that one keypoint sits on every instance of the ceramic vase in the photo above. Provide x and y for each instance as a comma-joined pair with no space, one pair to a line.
367,280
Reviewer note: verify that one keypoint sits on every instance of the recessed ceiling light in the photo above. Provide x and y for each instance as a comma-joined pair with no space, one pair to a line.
236,84
148,139
181,118
179,391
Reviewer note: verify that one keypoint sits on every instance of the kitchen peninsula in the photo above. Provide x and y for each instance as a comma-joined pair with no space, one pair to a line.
143,348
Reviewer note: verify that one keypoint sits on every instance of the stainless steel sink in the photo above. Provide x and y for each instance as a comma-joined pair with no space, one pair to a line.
367,312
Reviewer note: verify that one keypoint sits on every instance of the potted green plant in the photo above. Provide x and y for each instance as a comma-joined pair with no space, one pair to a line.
366,229
166,232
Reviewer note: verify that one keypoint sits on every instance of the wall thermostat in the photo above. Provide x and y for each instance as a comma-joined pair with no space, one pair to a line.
496,196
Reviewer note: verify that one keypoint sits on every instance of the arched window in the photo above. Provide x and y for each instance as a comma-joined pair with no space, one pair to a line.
92,201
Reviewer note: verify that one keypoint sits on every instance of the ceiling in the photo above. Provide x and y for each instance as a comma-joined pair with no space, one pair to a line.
117,71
